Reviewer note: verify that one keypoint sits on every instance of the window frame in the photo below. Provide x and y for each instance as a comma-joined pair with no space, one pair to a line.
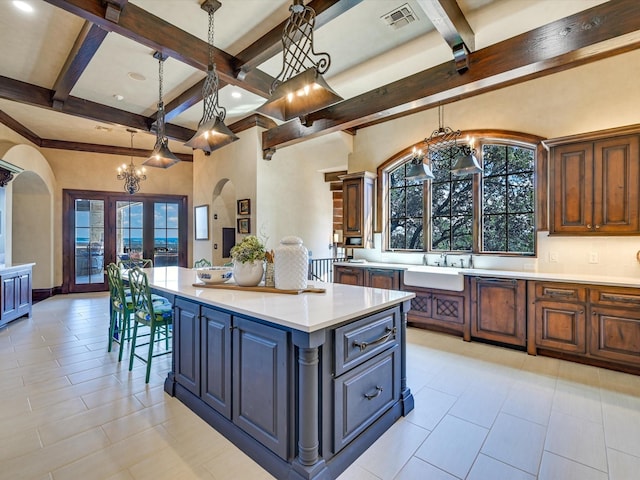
480,137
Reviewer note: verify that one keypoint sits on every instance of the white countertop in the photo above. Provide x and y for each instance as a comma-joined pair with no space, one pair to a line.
619,281
307,312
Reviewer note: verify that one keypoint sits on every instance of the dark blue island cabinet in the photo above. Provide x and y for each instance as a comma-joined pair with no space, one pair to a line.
304,405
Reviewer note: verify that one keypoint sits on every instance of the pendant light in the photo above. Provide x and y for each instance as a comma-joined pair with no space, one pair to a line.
131,175
161,156
467,163
299,88
417,169
212,132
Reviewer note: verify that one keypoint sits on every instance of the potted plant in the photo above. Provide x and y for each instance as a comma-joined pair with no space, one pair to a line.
248,261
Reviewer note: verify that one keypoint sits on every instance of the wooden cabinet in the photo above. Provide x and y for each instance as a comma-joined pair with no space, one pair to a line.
15,293
615,324
557,318
595,187
439,310
238,367
498,310
367,277
358,207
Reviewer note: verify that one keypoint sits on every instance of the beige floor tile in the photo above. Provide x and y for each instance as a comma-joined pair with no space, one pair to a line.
622,466
530,401
18,444
430,407
416,469
480,405
554,467
578,400
137,422
577,439
487,468
356,472
386,457
621,415
516,442
445,450
235,465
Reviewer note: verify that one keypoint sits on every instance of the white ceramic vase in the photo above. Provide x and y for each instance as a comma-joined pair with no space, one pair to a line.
248,274
292,264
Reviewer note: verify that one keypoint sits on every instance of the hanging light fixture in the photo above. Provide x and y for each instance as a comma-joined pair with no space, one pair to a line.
299,88
131,175
161,156
444,141
212,132
417,169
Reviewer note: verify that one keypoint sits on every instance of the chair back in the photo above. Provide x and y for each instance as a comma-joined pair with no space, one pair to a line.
116,287
203,262
129,263
141,295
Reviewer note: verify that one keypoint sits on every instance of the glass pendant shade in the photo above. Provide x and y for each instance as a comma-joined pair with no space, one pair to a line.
466,164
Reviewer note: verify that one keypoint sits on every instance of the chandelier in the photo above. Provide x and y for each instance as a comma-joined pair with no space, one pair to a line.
131,175
161,156
299,88
444,141
212,132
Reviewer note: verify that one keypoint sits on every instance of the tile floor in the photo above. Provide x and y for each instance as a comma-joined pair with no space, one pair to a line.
69,410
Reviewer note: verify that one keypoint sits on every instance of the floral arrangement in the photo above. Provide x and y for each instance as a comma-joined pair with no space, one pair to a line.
249,250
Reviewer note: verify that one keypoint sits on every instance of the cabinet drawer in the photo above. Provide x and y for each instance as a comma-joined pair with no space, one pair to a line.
560,326
357,342
365,393
616,297
559,292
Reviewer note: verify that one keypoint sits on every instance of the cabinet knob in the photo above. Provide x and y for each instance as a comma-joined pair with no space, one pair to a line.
589,226
597,226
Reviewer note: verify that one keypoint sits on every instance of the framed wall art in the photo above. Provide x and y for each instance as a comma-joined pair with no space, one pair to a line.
201,222
244,225
244,206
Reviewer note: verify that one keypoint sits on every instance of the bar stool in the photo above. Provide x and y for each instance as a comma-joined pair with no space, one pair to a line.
158,316
121,309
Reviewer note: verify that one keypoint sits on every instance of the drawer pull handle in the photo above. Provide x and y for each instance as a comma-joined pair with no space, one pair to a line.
621,298
371,396
388,333
559,293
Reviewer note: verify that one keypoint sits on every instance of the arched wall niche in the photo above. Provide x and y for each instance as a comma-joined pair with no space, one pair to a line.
223,212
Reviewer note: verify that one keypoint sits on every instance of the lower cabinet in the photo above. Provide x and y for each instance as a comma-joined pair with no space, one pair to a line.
236,366
440,310
348,275
367,277
498,310
15,296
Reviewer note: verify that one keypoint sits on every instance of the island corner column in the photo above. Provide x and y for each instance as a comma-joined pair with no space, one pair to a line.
308,463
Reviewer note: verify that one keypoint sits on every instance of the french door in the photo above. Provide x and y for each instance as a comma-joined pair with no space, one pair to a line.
100,228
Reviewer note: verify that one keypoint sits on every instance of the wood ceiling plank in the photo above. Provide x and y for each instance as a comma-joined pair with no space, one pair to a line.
270,44
142,27
602,31
84,48
107,149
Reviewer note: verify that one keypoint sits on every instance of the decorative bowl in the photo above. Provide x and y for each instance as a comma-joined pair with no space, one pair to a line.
212,275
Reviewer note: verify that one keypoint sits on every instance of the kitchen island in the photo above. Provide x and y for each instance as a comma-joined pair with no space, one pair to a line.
302,383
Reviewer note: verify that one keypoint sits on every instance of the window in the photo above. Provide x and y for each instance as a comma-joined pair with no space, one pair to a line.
489,213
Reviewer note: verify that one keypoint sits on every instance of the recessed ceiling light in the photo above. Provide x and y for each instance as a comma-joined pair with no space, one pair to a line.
118,97
236,94
136,76
24,6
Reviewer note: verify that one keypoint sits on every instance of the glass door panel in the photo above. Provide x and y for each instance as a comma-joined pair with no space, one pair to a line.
89,242
129,230
166,228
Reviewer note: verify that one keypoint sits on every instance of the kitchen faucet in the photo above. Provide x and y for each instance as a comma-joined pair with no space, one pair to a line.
443,258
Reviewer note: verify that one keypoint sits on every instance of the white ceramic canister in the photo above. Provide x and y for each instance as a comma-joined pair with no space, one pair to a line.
291,264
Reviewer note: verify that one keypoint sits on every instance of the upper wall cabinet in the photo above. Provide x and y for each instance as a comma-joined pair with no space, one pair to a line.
357,200
594,187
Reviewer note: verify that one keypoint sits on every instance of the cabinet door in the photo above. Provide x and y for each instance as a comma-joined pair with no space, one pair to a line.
498,310
616,176
348,275
9,296
261,383
216,360
383,278
186,345
23,292
572,188
615,334
437,310
353,196
357,197
560,326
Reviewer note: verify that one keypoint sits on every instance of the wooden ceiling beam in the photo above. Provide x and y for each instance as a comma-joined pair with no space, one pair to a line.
608,29
270,44
450,22
19,128
146,29
85,47
106,149
22,92
182,102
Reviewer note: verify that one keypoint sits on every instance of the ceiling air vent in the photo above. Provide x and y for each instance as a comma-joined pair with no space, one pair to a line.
400,17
